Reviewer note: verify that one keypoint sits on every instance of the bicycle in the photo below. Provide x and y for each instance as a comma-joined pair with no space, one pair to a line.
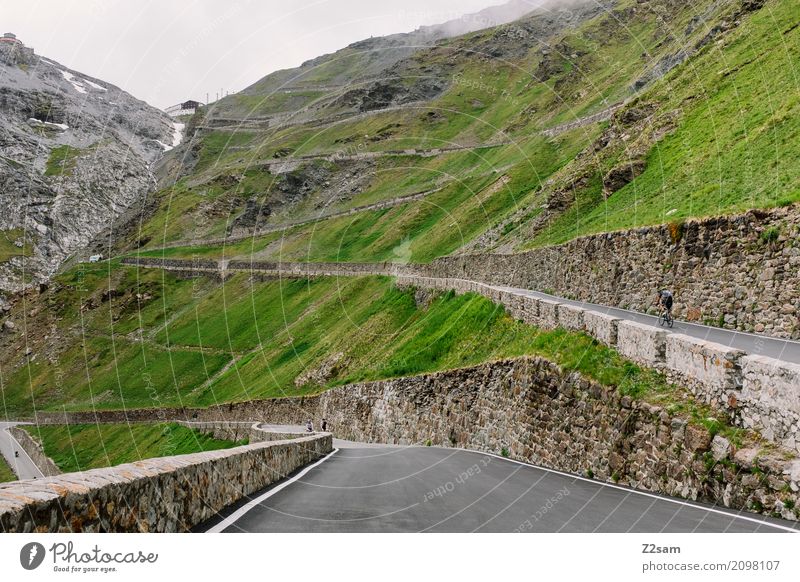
666,317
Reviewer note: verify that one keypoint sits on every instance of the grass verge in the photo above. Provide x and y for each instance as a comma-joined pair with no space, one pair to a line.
80,447
6,474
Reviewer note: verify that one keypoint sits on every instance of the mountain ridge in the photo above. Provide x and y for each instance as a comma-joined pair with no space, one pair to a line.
75,151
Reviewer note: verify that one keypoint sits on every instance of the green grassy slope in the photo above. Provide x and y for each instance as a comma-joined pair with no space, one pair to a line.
6,474
196,342
477,188
80,447
89,349
733,145
716,137
497,85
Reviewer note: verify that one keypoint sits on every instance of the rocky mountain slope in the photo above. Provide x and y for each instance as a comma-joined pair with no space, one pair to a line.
580,117
573,119
325,77
75,152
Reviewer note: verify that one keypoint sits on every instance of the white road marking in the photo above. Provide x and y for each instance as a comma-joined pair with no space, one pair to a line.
644,493
237,515
13,440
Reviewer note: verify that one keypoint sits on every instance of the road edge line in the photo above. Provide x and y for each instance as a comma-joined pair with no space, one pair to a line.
14,439
667,498
239,513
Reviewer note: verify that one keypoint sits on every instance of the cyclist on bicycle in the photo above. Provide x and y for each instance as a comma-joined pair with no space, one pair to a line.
664,300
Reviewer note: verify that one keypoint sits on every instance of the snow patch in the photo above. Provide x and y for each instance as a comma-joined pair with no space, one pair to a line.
94,85
73,80
33,122
177,136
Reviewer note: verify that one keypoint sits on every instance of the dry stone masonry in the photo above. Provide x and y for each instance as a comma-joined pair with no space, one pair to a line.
540,414
168,494
713,371
741,272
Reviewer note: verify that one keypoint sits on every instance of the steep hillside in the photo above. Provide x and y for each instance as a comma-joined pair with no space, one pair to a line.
329,76
348,148
75,152
116,338
574,119
715,135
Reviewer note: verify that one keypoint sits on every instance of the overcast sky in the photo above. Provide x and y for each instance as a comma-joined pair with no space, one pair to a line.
171,50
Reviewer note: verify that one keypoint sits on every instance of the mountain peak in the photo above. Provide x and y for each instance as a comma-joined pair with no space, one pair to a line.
76,152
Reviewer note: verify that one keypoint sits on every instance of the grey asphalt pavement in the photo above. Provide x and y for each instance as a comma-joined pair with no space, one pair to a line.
23,466
413,489
781,349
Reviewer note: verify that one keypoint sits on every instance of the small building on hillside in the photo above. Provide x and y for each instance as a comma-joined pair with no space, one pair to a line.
185,108
14,52
10,37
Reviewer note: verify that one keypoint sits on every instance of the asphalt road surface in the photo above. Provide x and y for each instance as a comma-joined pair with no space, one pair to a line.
781,349
23,466
411,489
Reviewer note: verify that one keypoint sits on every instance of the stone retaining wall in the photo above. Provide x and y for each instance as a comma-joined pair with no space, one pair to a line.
645,344
286,269
288,410
168,494
770,399
710,370
742,271
546,416
35,451
549,417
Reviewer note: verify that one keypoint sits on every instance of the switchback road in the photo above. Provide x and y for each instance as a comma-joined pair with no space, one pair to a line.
785,350
781,349
23,466
378,488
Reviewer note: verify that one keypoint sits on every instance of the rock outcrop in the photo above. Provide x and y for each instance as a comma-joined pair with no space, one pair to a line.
75,152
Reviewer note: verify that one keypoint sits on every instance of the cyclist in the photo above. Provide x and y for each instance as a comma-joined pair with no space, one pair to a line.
664,300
